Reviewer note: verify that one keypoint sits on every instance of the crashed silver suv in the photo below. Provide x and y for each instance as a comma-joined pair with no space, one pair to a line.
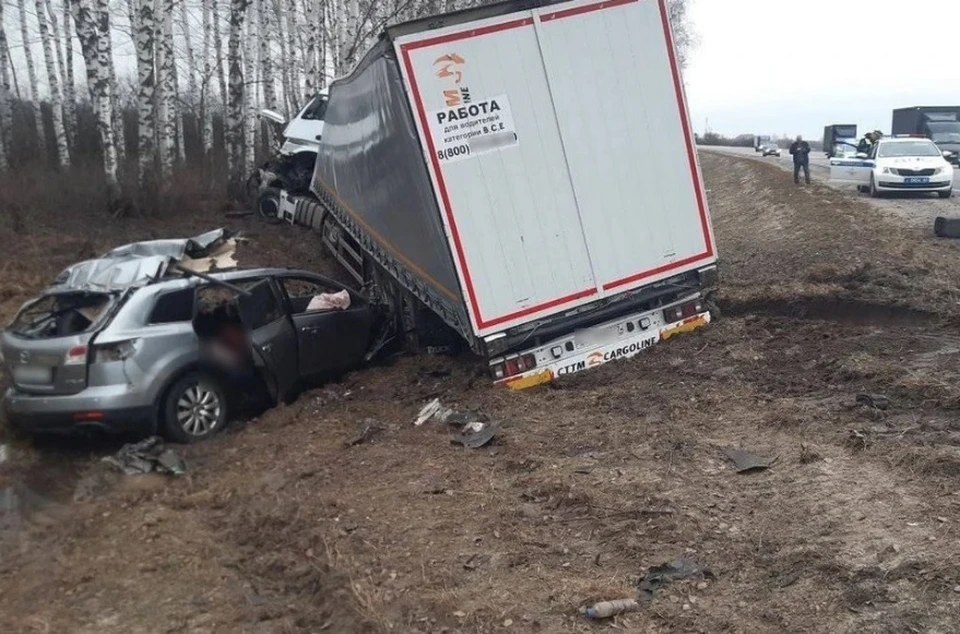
147,338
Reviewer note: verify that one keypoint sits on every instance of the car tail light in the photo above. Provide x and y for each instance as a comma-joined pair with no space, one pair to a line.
514,366
76,355
682,311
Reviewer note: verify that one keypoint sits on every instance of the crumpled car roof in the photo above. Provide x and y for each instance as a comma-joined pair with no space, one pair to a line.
135,264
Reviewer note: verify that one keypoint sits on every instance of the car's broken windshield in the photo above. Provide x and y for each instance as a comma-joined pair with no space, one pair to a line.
61,315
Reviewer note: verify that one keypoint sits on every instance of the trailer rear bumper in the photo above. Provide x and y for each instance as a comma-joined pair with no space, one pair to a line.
588,348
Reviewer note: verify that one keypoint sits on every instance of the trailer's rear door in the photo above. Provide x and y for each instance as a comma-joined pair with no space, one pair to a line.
558,143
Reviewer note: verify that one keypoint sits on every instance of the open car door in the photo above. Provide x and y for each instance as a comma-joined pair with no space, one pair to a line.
272,338
850,169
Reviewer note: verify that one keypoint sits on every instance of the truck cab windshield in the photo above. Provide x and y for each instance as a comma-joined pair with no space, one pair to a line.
945,132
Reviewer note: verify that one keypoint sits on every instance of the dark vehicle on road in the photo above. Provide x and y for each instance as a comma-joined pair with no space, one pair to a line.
837,138
138,341
940,124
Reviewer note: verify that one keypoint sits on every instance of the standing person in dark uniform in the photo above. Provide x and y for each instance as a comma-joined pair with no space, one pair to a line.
800,150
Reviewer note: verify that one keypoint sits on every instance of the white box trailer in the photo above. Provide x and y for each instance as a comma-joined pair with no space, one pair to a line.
535,185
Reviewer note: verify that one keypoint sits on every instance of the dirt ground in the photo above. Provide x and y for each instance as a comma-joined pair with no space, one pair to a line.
280,526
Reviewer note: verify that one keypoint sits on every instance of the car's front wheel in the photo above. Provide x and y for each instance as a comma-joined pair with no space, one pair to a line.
946,194
194,408
874,192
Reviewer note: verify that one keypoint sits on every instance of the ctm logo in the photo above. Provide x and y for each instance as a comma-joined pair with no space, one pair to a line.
449,66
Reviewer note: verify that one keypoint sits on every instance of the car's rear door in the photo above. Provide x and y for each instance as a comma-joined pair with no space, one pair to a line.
852,170
330,339
272,338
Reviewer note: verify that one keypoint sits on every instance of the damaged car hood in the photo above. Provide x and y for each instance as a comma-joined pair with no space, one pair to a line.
140,263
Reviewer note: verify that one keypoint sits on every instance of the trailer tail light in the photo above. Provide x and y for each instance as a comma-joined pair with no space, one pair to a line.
682,311
513,366
76,355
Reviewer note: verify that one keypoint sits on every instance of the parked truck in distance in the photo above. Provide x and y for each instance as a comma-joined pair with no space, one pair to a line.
473,195
838,138
940,124
759,141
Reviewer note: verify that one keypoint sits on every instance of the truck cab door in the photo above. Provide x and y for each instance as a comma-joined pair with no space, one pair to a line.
852,170
272,338
307,126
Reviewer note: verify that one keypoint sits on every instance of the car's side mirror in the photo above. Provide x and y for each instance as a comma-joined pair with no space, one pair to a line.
946,154
861,155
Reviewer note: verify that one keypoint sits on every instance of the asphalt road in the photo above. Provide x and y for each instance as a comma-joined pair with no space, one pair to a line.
914,210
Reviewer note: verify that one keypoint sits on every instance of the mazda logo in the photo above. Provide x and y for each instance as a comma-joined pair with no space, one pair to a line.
24,357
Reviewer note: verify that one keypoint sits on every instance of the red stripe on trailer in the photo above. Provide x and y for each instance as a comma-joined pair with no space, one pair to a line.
481,322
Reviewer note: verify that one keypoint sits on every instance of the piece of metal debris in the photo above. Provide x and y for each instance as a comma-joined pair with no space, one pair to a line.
475,435
432,410
748,462
657,576
877,401
147,456
370,429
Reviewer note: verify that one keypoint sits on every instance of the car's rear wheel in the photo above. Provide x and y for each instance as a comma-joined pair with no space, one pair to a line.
946,194
194,408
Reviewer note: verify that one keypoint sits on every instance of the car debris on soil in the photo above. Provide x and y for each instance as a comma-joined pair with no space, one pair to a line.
658,576
147,456
747,461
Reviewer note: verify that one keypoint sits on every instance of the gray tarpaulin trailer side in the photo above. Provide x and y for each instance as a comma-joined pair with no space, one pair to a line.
572,232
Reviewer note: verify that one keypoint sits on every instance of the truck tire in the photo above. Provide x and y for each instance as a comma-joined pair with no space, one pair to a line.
946,227
268,205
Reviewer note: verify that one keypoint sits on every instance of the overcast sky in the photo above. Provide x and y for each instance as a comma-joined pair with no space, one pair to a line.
782,67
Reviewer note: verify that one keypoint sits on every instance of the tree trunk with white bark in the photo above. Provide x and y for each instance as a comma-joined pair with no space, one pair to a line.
69,82
218,45
206,90
296,67
250,94
32,78
266,53
285,70
312,25
144,21
188,49
66,81
98,79
53,82
166,99
235,102
6,102
105,51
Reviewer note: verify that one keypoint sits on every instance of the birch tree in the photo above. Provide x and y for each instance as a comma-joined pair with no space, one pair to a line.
206,92
218,47
312,26
53,82
6,102
188,50
250,92
166,84
286,69
105,55
144,22
293,59
234,126
98,79
266,63
66,81
69,84
32,78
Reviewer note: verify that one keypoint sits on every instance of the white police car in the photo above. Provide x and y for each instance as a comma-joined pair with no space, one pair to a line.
896,164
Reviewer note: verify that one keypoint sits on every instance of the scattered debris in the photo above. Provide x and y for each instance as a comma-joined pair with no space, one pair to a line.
465,418
475,435
370,429
747,462
4,453
432,410
147,456
789,579
606,609
475,561
877,401
584,470
658,576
